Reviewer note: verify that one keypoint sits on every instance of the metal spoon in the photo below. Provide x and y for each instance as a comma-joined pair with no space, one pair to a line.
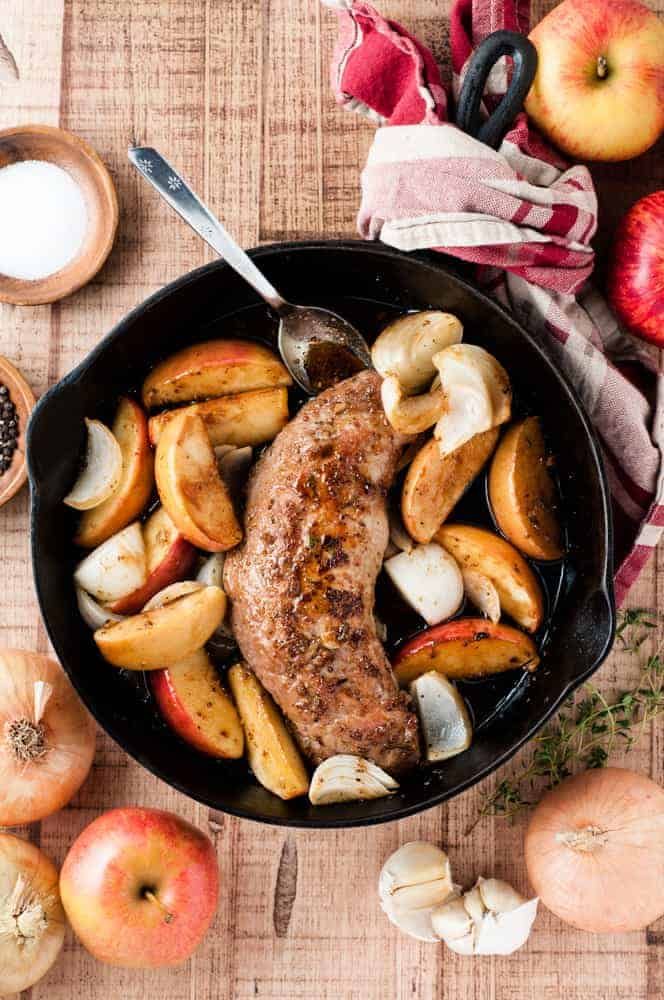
318,347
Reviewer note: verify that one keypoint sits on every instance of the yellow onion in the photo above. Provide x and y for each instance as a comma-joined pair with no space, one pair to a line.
32,921
47,739
595,851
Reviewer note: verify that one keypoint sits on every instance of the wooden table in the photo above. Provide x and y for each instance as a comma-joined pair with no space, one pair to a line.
235,91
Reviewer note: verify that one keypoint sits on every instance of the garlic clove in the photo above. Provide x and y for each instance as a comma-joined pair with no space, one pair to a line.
504,933
406,347
462,946
498,895
101,474
345,778
482,592
451,921
413,882
411,414
472,901
445,723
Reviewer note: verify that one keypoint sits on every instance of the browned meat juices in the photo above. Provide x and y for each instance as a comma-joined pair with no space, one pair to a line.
302,583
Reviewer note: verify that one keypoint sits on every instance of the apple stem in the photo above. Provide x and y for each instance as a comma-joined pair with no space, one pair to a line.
602,67
168,916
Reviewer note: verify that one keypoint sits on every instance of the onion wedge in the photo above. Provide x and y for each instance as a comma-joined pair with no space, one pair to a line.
478,394
211,572
100,476
446,726
115,568
428,580
482,592
172,593
93,614
345,778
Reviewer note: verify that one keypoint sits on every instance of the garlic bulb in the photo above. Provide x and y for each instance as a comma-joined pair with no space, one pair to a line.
492,918
32,921
345,778
414,881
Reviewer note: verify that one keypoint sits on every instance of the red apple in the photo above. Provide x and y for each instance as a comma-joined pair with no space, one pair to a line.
599,89
139,887
169,557
636,275
465,648
193,702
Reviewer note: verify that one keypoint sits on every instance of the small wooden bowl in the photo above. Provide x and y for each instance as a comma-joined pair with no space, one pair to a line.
43,142
23,399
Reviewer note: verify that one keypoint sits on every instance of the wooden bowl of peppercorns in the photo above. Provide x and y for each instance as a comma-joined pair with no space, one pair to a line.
16,403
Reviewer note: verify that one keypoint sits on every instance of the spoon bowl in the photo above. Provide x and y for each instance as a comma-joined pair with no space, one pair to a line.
318,346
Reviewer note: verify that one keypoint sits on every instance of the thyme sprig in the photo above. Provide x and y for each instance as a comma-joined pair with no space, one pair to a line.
589,728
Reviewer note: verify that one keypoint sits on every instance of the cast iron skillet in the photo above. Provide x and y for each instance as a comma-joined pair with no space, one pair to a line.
368,283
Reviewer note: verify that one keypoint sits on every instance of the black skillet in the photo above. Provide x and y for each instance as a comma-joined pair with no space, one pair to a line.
377,283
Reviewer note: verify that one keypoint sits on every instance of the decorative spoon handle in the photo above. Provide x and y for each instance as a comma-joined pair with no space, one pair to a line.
174,190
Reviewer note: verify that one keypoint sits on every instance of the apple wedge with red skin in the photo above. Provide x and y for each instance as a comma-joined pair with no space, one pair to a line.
127,502
464,649
169,558
140,887
213,368
194,704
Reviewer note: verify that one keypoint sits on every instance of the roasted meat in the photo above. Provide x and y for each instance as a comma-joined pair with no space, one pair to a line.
302,583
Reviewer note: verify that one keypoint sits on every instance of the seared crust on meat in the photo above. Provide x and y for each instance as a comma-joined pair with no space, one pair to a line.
302,583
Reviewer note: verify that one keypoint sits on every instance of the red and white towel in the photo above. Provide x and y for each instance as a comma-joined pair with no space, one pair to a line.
524,218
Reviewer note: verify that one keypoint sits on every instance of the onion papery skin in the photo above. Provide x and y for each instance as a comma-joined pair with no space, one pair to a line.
28,952
594,851
34,788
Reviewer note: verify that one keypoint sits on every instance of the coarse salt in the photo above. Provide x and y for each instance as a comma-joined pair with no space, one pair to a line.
43,219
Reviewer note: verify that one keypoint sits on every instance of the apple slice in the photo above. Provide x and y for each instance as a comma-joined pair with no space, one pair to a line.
463,649
522,492
273,756
435,483
250,418
213,368
169,558
126,503
115,568
102,471
163,637
191,488
194,704
518,589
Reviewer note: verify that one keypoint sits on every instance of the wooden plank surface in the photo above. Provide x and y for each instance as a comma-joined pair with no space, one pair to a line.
236,92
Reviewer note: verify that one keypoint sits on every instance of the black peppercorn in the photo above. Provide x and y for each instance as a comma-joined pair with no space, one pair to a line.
8,429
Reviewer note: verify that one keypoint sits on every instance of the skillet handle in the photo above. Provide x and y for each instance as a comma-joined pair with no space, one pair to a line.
485,57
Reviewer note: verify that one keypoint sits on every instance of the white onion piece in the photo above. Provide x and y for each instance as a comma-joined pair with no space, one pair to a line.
32,920
429,579
346,778
115,568
172,593
406,346
478,393
445,723
94,615
211,572
100,476
411,414
482,592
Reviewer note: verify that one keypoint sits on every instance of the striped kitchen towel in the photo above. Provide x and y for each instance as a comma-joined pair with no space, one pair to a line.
524,217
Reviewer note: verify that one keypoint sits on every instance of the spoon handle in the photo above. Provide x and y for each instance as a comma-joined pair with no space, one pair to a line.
174,190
